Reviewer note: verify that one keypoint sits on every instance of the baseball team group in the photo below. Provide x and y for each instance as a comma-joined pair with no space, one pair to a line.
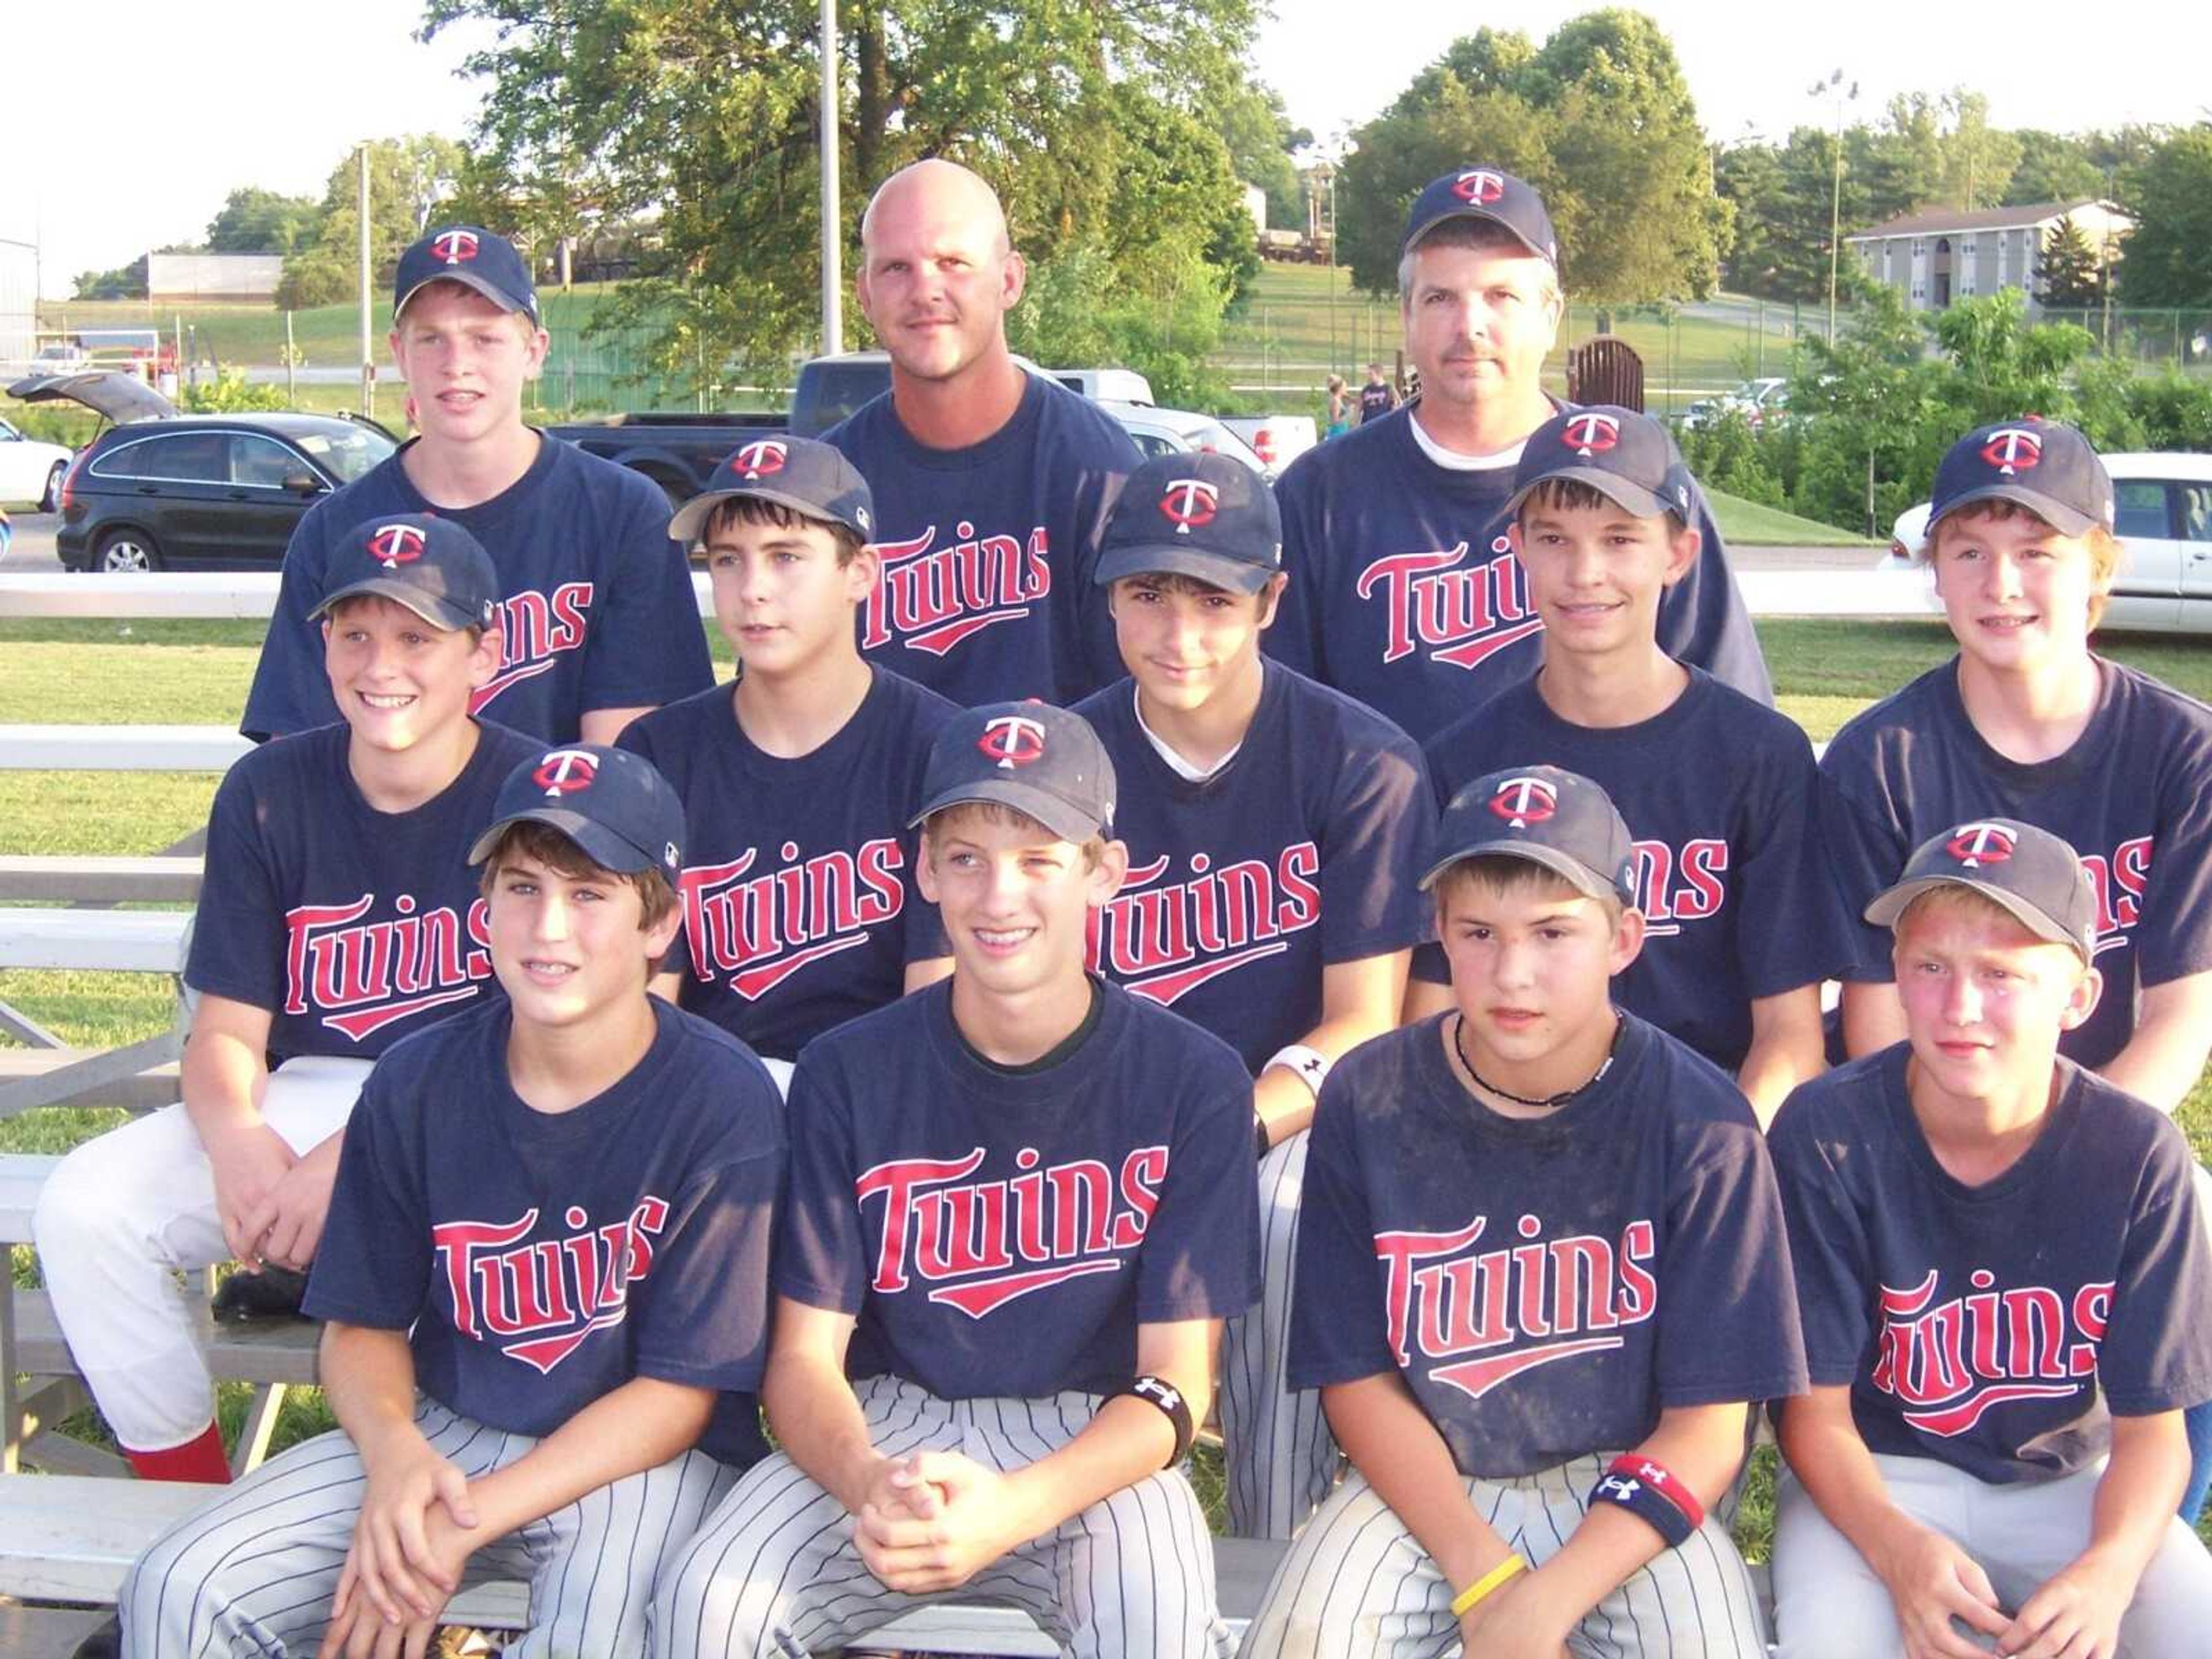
1131,947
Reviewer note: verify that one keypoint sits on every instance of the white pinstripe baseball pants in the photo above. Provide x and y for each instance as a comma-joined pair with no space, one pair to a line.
1281,1458
253,1572
1356,1584
774,1572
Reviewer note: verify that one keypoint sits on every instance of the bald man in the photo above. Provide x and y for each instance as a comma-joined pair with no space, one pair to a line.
991,483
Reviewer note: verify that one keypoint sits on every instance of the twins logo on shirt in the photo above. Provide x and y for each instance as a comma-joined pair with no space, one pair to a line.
359,976
930,600
755,930
1474,1319
1674,885
1457,613
1949,1363
981,1245
1163,941
2118,883
536,1300
534,629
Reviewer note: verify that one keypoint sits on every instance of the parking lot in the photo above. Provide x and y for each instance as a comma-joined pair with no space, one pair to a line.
33,546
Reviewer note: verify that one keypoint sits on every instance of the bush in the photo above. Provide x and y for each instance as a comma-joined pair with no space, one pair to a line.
1727,455
231,393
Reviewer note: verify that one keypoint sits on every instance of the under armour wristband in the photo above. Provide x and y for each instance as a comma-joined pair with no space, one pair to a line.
1647,1503
1472,1596
1263,1142
1663,1480
1166,1399
1310,1066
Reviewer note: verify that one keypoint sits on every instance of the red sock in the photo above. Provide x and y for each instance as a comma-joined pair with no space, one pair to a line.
200,1458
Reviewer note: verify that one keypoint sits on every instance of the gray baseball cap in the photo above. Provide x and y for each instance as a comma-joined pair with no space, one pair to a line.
2034,874
1549,816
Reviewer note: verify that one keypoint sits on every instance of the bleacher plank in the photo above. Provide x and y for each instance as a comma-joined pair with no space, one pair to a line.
85,879
142,1092
135,941
261,1351
120,748
21,1174
46,1632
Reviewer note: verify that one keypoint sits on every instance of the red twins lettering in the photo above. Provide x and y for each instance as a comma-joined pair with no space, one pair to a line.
547,1294
2118,883
930,601
1513,1309
980,1245
535,629
1164,941
1672,888
755,931
360,976
1951,1362
1462,616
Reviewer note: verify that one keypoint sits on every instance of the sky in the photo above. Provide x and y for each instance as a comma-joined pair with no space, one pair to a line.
233,93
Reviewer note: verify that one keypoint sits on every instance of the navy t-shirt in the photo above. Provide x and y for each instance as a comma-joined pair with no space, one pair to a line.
986,594
800,904
1545,1287
1405,593
1719,792
542,1260
598,610
353,928
1993,1327
1303,852
1004,1234
2133,796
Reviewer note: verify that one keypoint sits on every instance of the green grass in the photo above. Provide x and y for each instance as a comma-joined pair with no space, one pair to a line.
1747,524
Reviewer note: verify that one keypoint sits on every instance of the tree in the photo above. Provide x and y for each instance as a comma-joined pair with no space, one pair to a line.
2073,275
124,283
256,221
2170,194
704,119
1599,118
409,179
1977,159
1260,137
2053,167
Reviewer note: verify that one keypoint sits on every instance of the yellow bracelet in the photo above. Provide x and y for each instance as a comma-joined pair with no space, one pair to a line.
1472,1595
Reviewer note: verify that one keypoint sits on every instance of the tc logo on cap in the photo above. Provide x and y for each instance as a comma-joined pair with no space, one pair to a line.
1976,844
1590,433
1525,801
1012,740
762,456
1190,501
2013,449
1481,186
564,771
395,545
454,246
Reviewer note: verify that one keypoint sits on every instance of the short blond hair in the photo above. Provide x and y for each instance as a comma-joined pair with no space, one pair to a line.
1508,876
947,820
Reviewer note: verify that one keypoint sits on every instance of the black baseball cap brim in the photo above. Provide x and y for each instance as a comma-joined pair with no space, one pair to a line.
1413,236
438,612
1891,903
603,845
491,291
2066,521
1064,818
688,521
1566,865
1216,570
1625,493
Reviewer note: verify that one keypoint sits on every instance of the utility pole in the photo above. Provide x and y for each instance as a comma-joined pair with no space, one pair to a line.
368,361
1833,87
833,281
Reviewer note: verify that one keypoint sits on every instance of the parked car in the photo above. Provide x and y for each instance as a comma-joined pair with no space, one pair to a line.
1757,401
2162,515
205,492
1179,431
1123,386
1277,440
31,471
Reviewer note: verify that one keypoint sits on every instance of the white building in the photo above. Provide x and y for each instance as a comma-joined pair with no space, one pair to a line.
1943,254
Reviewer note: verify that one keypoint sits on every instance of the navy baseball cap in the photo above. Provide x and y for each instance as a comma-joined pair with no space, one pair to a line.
1482,192
612,804
472,256
2030,871
2047,468
1203,516
1629,458
800,473
1035,758
1546,815
431,565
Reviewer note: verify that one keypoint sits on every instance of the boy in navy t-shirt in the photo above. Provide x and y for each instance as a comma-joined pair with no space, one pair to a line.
1021,1204
336,916
799,910
1274,829
1999,1262
1741,922
552,1220
598,621
1541,1277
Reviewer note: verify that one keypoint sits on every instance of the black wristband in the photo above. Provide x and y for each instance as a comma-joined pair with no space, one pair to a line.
1166,1399
1260,1141
1647,1503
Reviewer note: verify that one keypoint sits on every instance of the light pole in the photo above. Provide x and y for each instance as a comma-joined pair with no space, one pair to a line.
368,360
833,319
1834,85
